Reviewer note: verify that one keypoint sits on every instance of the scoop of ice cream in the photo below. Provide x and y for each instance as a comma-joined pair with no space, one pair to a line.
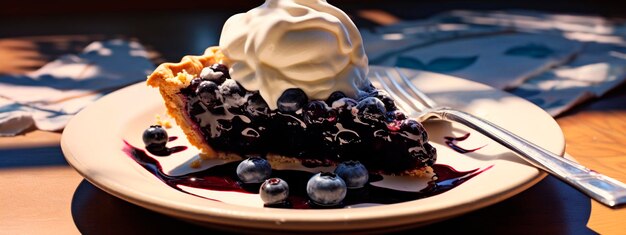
308,44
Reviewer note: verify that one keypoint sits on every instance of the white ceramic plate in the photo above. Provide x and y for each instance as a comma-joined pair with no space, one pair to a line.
93,143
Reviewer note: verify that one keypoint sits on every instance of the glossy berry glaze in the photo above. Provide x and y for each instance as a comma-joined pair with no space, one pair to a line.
224,178
451,142
318,132
167,151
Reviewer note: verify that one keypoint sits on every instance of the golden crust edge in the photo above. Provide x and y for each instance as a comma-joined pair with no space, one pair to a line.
169,78
166,76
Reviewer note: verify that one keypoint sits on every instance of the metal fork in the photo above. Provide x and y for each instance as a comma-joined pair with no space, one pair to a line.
417,104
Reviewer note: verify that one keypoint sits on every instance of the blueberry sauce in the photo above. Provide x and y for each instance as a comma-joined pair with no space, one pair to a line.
224,178
451,142
167,151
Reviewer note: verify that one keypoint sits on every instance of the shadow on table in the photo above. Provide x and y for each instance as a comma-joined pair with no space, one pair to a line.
96,212
520,215
31,157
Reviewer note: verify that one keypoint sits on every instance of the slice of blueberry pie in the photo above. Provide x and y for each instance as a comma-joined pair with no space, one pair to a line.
289,81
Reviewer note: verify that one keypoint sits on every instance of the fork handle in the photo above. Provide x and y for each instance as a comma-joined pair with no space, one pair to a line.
598,186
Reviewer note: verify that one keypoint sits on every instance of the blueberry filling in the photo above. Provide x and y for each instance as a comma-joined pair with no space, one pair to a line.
369,129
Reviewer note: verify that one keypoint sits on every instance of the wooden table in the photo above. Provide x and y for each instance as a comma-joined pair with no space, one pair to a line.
41,194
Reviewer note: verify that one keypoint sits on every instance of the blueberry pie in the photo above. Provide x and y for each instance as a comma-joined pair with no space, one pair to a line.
289,81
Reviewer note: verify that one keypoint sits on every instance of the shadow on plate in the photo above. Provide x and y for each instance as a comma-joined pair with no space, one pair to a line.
446,130
549,207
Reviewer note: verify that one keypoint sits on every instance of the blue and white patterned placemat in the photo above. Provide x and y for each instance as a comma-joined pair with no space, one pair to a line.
48,97
555,61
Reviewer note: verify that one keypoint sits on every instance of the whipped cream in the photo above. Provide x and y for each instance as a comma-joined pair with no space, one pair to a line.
308,44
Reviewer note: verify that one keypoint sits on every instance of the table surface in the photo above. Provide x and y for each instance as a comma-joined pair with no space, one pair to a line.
42,194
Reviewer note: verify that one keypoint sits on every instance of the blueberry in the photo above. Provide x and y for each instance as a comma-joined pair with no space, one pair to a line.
344,106
431,155
414,128
274,191
194,83
316,112
353,173
230,88
385,98
208,74
334,97
345,103
371,109
395,125
425,154
254,170
256,106
155,138
347,137
291,100
326,189
370,88
396,115
207,93
220,68
190,90
382,135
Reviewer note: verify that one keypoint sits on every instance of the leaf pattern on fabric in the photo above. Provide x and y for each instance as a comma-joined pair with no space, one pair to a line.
537,101
532,50
442,64
523,92
408,62
555,104
450,64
